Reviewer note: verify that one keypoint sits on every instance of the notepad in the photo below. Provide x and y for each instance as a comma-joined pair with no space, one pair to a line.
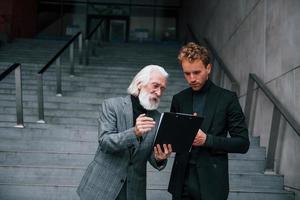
177,129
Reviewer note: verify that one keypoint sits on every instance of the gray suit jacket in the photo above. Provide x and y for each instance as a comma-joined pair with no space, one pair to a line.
120,156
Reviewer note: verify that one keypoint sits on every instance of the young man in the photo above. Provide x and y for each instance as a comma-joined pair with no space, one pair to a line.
202,174
126,132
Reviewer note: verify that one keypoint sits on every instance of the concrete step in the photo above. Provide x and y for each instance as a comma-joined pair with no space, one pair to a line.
260,194
51,134
58,176
35,131
101,80
84,147
78,90
89,97
57,106
80,113
53,119
106,68
54,149
56,99
52,105
71,175
53,127
65,157
50,95
38,192
238,181
95,72
254,153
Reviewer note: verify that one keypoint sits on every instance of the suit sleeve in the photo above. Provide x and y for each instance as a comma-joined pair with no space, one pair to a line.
157,165
238,142
110,140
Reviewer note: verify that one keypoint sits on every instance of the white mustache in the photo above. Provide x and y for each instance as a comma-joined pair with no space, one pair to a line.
147,102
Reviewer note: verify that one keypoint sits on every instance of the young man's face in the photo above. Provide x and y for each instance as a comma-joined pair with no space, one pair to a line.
195,73
151,92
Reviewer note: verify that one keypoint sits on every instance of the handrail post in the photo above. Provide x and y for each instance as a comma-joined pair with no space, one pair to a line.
235,87
98,36
40,98
19,99
80,48
93,43
87,49
58,77
274,132
249,98
72,59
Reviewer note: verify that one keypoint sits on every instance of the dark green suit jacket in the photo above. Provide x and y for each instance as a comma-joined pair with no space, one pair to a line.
223,115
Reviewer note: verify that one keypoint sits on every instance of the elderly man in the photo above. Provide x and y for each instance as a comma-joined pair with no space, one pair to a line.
126,133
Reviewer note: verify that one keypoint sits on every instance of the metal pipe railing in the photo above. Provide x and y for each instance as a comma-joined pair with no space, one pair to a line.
77,2
278,112
234,83
88,38
19,99
57,58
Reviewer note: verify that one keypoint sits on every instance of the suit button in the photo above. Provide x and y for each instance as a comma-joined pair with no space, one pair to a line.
130,163
122,180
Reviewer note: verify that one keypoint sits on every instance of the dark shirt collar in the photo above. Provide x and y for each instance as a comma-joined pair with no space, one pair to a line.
136,104
204,88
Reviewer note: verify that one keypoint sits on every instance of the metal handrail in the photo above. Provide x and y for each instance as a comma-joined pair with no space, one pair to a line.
56,58
18,82
95,29
107,4
58,54
234,83
278,111
88,38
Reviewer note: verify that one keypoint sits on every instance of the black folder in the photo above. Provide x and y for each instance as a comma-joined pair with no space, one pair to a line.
177,129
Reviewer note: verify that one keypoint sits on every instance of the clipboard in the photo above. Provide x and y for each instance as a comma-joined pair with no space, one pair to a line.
177,129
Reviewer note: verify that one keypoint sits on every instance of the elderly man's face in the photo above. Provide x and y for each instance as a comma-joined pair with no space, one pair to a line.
150,93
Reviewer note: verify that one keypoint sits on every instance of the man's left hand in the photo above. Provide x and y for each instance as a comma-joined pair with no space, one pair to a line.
160,154
200,138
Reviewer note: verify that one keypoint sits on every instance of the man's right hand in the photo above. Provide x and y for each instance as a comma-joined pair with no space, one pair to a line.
143,124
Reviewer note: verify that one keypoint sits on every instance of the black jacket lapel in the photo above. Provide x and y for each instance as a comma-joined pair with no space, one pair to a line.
210,107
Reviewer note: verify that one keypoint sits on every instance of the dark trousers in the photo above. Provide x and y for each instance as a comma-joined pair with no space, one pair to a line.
191,185
123,194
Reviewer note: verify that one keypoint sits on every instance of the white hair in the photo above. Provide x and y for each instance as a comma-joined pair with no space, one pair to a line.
143,77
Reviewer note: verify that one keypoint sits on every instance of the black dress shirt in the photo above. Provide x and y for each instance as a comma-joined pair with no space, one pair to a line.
137,108
199,100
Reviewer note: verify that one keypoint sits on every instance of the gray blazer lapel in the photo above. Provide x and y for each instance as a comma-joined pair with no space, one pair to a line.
128,117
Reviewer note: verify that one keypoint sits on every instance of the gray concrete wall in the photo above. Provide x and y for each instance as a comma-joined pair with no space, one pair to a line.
261,37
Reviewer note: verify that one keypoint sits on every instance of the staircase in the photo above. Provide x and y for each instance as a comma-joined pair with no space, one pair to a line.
47,161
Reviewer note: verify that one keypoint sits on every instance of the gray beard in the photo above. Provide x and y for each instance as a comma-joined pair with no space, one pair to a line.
145,101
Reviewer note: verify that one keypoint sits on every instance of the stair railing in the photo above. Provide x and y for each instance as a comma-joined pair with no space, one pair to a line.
219,71
278,112
224,72
18,83
57,58
96,33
